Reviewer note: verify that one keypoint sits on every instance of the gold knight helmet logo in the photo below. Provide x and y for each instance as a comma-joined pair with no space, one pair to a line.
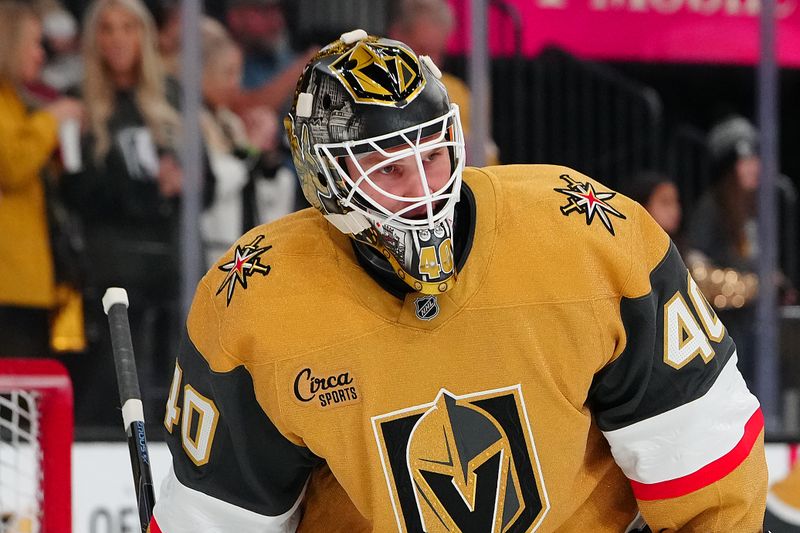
375,73
463,463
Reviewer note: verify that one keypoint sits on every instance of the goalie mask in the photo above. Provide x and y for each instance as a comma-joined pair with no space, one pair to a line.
379,151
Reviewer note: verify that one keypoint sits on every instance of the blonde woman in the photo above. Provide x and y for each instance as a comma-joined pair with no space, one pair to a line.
127,194
27,140
125,87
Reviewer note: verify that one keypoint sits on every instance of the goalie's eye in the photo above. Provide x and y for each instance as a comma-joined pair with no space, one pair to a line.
432,155
389,170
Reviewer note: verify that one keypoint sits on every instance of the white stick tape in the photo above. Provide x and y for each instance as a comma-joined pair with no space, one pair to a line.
132,411
114,295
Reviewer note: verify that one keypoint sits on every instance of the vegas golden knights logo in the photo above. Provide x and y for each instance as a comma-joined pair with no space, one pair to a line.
463,463
379,74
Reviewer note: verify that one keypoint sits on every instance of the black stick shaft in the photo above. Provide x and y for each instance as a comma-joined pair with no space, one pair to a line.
142,477
130,398
124,361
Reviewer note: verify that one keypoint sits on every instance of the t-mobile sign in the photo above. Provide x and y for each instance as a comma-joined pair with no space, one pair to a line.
688,31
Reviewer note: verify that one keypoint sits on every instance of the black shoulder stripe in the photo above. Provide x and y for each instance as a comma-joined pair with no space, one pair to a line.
250,464
640,383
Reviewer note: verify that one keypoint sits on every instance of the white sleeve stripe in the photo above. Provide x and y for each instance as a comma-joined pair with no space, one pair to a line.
181,509
689,437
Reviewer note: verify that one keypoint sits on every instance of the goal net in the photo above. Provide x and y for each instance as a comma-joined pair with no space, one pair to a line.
35,446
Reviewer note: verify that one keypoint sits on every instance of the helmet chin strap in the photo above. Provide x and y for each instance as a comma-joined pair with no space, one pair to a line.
360,229
425,287
373,256
416,256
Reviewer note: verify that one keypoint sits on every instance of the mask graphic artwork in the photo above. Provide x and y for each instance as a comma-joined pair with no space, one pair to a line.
312,182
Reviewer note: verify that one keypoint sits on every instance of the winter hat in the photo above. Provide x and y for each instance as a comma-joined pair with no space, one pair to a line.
730,140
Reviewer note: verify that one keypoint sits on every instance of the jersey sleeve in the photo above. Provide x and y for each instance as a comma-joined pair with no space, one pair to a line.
232,469
783,503
679,419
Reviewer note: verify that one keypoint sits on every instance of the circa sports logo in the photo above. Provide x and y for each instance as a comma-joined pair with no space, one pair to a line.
463,463
326,390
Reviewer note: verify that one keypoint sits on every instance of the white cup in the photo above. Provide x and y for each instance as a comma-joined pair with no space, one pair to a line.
69,134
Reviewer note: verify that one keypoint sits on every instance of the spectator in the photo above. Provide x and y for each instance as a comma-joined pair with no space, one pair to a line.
659,195
64,69
27,140
167,16
426,25
270,71
271,67
249,189
127,193
722,236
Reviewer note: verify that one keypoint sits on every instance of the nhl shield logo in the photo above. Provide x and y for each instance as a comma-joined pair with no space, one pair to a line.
427,307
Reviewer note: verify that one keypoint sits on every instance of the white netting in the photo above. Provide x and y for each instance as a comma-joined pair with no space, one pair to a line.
20,462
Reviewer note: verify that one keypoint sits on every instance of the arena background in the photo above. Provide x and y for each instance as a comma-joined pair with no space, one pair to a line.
607,114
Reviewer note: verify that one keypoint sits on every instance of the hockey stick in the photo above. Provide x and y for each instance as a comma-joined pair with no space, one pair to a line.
115,304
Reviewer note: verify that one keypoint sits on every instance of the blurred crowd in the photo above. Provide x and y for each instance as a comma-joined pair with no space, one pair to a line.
91,179
90,172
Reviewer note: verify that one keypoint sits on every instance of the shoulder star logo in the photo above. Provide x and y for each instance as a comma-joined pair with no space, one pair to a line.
246,262
583,198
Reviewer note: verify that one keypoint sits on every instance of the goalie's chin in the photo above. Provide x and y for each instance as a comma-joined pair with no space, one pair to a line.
421,212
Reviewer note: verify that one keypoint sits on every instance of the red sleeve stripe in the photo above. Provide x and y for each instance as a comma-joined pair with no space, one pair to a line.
707,475
154,526
683,440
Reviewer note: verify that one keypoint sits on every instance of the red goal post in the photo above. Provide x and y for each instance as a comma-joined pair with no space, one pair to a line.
36,431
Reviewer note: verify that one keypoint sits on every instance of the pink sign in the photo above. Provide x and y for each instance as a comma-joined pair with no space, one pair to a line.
696,31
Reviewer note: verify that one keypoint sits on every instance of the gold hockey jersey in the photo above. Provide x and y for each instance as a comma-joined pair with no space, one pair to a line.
783,502
572,378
